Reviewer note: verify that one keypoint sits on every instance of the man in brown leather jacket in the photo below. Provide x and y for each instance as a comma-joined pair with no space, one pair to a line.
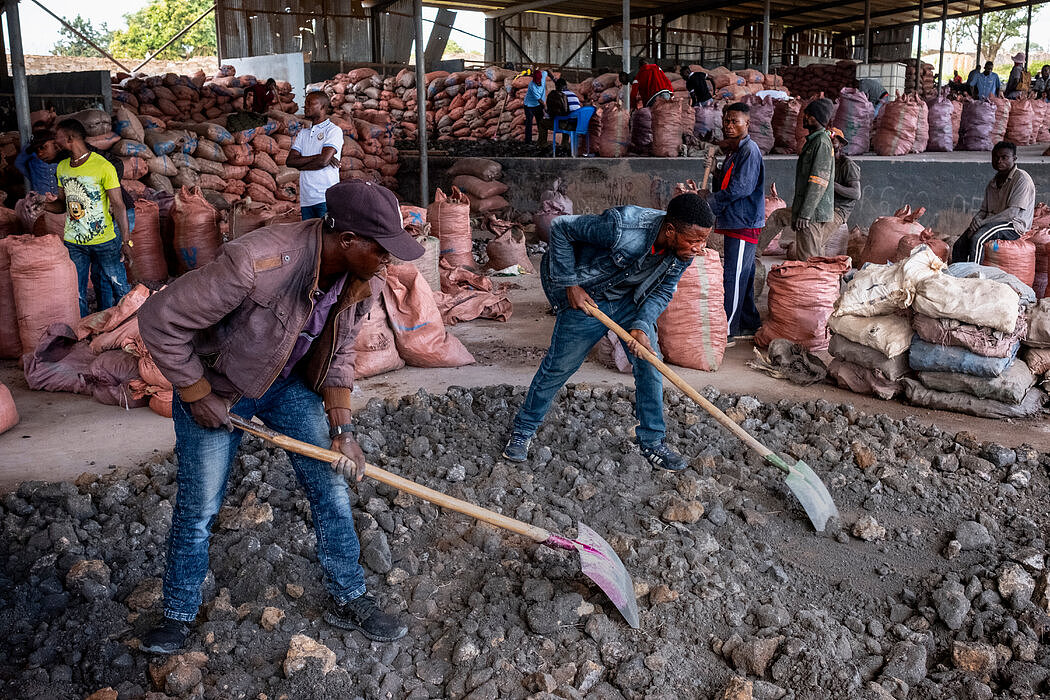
268,329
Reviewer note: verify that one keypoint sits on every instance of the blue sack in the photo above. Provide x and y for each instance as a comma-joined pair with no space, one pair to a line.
927,357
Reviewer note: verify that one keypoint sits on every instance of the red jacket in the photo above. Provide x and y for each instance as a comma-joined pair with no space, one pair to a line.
649,81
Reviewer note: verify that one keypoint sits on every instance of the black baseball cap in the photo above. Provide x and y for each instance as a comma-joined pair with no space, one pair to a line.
370,210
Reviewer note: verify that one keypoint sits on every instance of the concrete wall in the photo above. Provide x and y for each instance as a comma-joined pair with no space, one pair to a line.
281,66
950,186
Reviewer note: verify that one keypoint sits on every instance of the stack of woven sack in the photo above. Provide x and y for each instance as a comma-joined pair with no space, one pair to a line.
969,323
870,326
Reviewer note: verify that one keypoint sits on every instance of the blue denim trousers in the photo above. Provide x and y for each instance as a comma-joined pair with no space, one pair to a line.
104,292
112,275
314,211
205,457
575,333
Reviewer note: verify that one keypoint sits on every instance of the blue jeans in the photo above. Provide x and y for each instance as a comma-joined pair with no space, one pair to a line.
575,333
103,289
205,457
112,275
314,211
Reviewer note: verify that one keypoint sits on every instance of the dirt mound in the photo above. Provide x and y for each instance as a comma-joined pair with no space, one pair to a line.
934,584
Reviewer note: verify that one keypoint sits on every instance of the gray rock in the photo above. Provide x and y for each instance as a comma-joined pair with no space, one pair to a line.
972,535
375,552
952,604
907,662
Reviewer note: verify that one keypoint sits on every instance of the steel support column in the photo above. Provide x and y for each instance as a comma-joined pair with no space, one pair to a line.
1027,41
18,72
867,31
421,106
980,31
625,63
944,30
765,39
918,50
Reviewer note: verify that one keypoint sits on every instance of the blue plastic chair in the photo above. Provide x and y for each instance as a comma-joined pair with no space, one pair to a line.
583,119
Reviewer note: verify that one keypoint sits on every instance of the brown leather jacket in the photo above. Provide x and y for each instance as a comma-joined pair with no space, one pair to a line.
229,327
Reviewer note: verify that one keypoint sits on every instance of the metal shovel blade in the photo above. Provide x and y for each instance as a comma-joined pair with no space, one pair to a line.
809,490
602,565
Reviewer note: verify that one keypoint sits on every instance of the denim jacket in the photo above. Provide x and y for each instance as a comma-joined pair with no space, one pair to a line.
597,252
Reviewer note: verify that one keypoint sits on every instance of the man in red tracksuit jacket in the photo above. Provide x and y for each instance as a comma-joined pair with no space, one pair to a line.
650,84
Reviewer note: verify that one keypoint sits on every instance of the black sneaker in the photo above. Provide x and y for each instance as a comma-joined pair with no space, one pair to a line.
662,456
166,638
362,614
517,449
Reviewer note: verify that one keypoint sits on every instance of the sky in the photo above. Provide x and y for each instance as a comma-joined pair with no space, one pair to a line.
40,31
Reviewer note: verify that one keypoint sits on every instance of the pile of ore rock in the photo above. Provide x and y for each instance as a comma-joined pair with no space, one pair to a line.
933,584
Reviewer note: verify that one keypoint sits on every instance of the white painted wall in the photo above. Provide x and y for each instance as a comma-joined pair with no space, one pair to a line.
282,66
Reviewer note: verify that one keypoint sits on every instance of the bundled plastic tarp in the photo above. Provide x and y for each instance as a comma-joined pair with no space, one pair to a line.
890,334
1009,387
979,302
982,341
927,357
892,368
861,380
962,402
876,290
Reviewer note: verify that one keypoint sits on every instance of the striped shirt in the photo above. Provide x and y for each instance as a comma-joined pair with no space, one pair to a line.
572,99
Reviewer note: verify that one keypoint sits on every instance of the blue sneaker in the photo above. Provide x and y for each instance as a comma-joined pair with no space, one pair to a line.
662,456
517,449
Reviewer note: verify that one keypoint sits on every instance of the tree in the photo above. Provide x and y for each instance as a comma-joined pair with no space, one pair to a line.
998,27
73,45
154,25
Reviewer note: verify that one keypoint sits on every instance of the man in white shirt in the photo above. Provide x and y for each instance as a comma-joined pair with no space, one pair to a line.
316,152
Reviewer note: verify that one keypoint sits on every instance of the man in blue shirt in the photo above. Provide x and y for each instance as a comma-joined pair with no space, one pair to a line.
535,104
38,163
986,83
627,262
739,206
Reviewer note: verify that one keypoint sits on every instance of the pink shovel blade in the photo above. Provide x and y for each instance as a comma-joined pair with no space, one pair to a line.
602,565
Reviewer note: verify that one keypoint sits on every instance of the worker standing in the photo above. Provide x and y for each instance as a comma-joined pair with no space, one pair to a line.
89,192
811,218
535,106
268,330
627,262
739,207
315,153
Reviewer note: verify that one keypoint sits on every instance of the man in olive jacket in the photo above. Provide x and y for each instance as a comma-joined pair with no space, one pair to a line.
268,329
812,212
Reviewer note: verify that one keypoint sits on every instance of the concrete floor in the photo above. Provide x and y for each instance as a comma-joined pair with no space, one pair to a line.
61,436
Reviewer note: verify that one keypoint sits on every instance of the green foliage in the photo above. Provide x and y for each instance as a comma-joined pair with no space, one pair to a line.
73,45
152,26
453,48
998,28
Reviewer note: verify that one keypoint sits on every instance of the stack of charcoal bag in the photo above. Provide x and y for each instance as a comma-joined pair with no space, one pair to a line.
969,324
870,326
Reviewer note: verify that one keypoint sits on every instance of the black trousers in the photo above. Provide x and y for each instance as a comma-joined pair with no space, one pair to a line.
970,247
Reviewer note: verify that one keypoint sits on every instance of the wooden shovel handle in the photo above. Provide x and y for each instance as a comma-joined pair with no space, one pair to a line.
689,391
707,169
536,534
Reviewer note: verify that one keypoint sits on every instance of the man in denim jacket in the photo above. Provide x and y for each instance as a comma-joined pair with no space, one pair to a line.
627,262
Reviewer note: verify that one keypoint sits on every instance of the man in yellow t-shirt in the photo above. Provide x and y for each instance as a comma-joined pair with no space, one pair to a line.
89,193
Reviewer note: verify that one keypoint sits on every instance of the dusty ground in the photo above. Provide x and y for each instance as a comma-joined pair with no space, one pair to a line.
62,435
932,584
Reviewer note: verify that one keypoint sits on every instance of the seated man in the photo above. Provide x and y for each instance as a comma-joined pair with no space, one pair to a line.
562,102
627,262
1007,210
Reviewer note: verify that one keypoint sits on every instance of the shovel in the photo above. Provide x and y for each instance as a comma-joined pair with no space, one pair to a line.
799,477
598,561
